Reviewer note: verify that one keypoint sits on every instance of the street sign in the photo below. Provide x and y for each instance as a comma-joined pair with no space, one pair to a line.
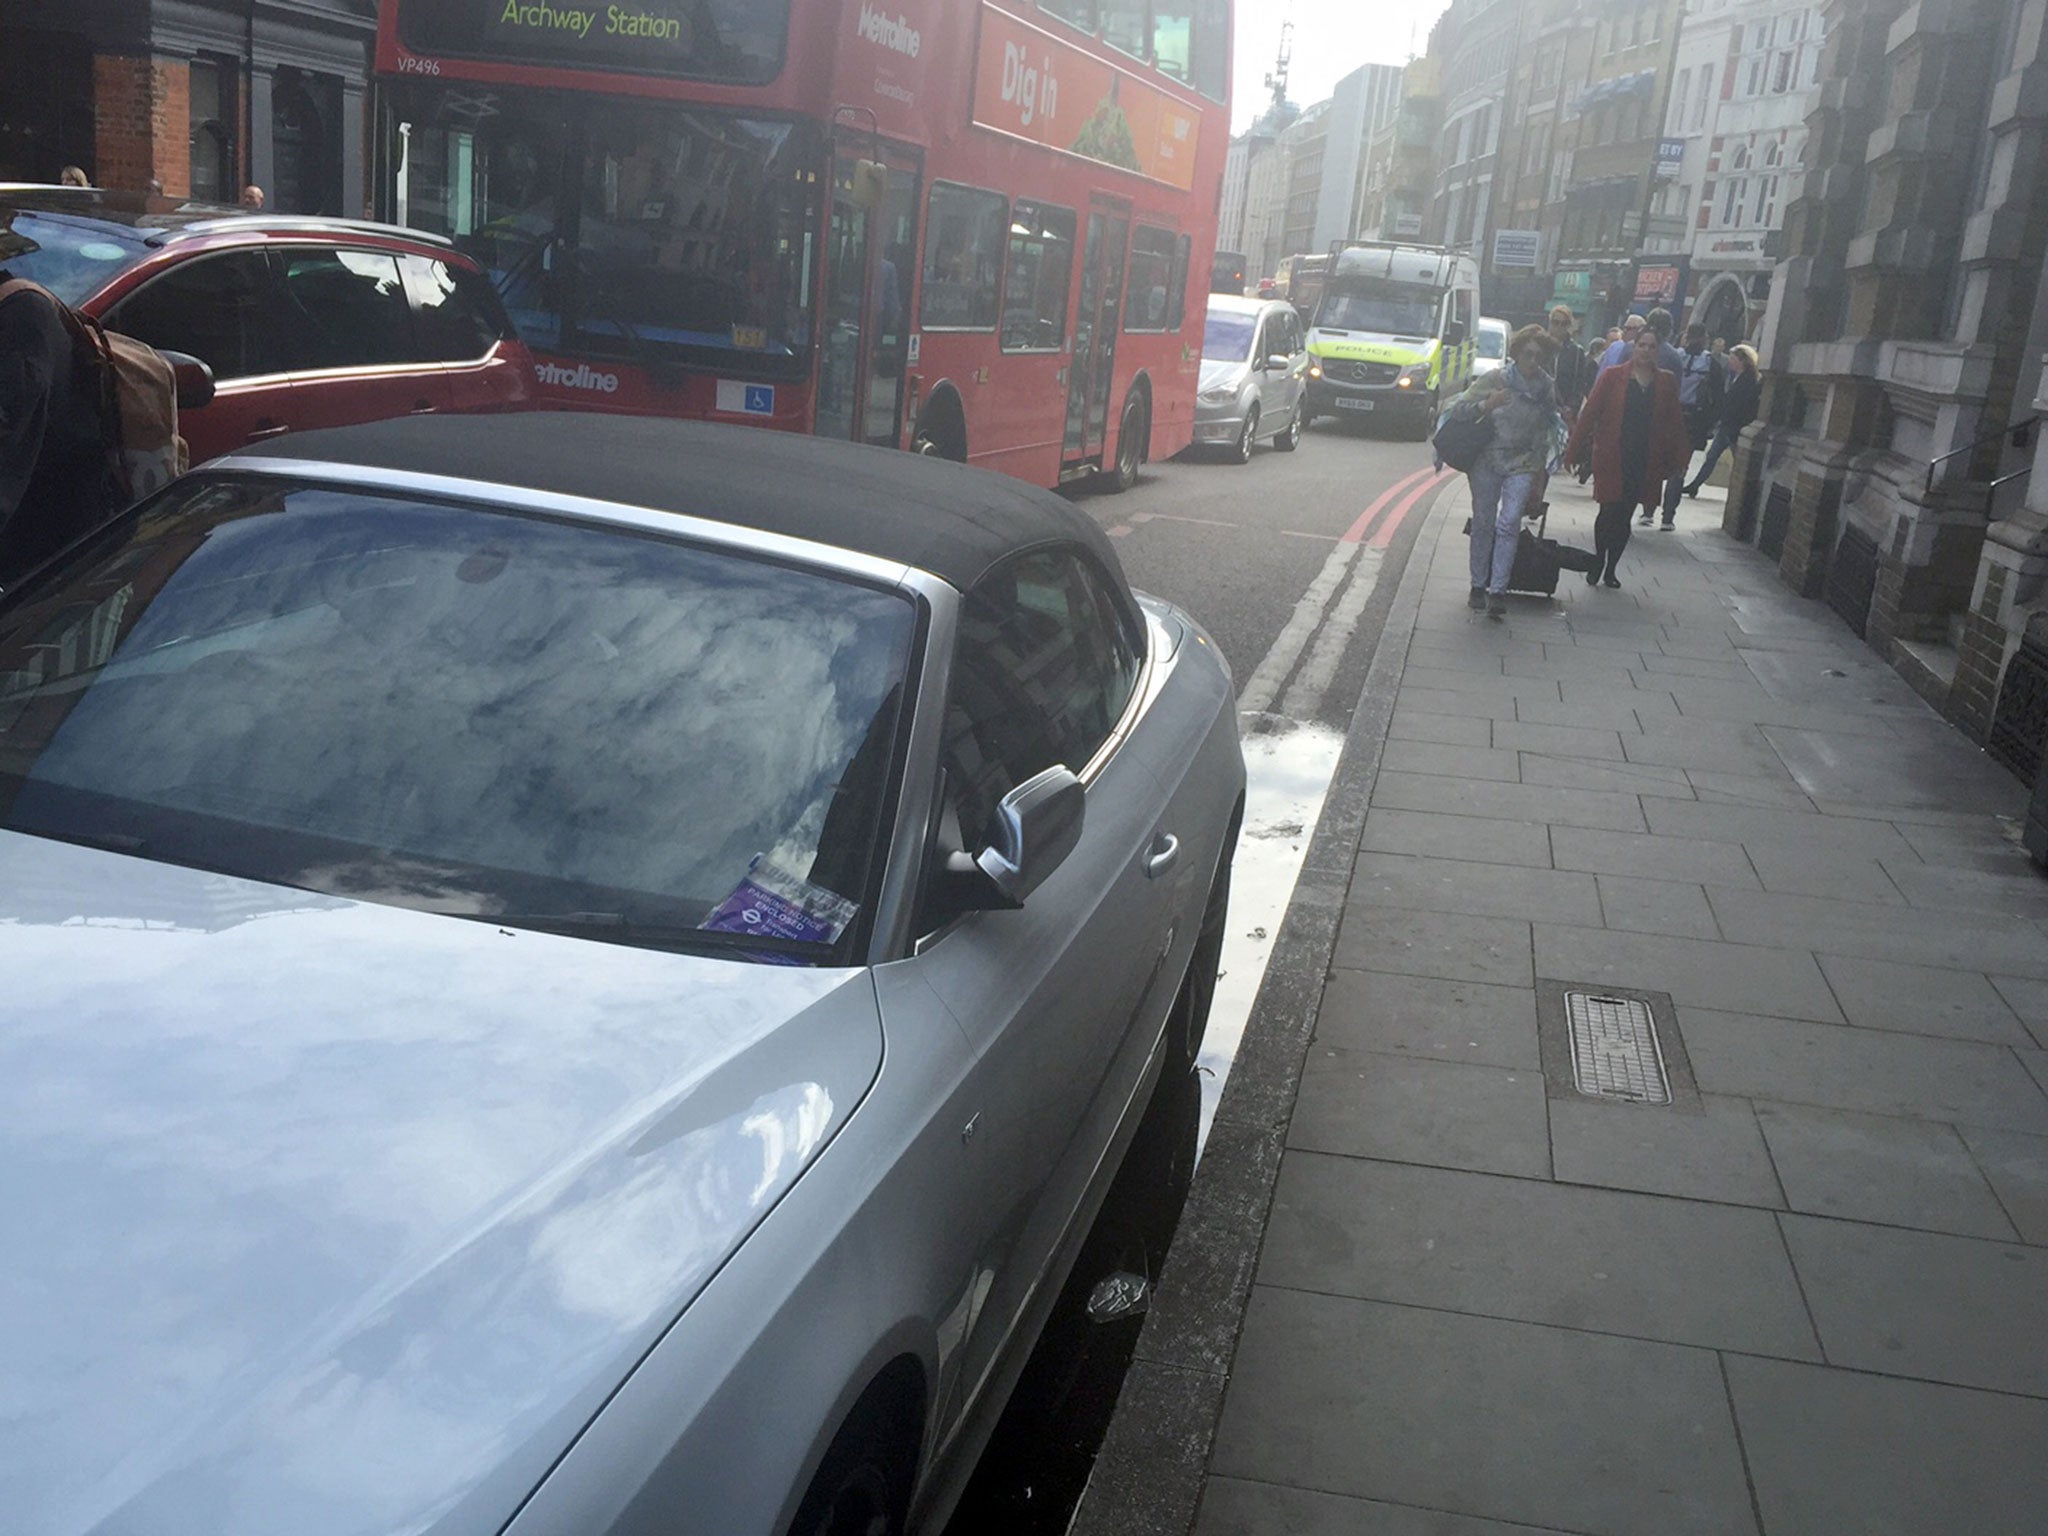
1407,225
1517,247
1670,158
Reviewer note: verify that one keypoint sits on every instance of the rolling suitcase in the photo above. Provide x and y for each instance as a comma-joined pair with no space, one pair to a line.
1536,557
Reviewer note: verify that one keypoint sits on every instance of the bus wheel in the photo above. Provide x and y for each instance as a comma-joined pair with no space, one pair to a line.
1130,441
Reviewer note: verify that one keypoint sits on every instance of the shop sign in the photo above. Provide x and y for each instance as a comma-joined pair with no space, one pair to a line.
1670,158
1660,285
1517,247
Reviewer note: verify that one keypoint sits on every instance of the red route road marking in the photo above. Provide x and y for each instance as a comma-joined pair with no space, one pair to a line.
1380,503
1392,525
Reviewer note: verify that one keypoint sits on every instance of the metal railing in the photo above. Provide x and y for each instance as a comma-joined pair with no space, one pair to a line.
2017,430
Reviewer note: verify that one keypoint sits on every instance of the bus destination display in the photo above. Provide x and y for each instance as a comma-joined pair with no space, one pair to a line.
735,40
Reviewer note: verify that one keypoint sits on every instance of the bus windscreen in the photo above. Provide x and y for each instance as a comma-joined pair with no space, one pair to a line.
731,40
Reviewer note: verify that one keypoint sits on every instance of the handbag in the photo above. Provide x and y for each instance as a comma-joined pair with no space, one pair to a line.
1460,441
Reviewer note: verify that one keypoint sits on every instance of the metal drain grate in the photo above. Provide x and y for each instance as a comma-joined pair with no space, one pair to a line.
1615,1054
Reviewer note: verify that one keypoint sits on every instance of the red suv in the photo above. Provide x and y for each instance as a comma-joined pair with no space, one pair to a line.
304,322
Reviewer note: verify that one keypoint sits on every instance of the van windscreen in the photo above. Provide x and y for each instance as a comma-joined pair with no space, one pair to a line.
1374,304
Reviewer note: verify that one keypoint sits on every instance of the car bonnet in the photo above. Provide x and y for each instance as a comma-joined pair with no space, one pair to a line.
325,1216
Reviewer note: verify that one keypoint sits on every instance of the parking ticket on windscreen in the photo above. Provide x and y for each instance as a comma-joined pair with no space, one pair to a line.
777,904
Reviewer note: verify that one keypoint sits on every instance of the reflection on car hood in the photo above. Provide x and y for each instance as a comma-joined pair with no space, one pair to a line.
1219,374
330,1217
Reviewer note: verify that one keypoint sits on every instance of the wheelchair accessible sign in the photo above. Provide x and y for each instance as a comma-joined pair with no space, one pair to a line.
744,399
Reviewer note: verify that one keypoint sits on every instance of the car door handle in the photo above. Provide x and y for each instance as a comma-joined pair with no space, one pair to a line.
422,408
1162,855
268,428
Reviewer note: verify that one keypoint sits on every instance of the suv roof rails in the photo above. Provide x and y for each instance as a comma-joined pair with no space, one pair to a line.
302,224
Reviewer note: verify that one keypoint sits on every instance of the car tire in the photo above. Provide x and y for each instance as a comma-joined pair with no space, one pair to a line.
1290,436
861,1488
1130,439
1241,450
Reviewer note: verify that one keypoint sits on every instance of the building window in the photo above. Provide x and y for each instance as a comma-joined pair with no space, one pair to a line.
1766,200
1699,108
1678,94
1731,204
213,119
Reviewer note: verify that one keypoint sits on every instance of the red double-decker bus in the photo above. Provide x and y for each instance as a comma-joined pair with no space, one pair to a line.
975,229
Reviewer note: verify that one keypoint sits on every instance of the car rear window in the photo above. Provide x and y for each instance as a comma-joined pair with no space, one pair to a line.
539,723
72,257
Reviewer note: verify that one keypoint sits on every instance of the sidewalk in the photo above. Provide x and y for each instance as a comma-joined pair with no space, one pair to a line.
1809,1295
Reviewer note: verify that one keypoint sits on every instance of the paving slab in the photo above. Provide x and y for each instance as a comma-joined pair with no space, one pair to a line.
1764,824
1449,945
1443,701
1511,802
1441,761
1446,1113
1654,906
1736,978
1609,714
1941,773
1921,1304
1962,941
2021,893
1716,1155
1483,890
1718,788
1962,1082
2027,997
1494,685
1456,658
1435,1410
1684,859
1557,740
1449,730
1233,1507
1800,868
1601,1260
1423,1016
1710,746
1835,1452
1922,1000
2017,1167
1614,778
1880,1168
1481,839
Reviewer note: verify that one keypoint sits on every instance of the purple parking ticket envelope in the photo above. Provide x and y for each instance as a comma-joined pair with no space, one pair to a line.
776,904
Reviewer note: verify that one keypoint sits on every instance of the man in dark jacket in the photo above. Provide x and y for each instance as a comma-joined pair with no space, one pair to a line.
54,479
1574,371
1700,385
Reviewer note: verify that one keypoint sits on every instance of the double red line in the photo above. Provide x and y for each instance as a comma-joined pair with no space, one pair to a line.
1382,520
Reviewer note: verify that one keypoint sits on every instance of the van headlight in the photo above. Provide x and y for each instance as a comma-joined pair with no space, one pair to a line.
1414,376
1315,369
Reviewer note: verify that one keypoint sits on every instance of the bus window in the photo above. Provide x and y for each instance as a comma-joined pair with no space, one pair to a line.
1035,283
1126,25
1147,298
1212,49
1173,37
1082,13
964,239
1177,284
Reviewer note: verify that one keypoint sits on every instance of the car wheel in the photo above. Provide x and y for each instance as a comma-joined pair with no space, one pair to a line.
860,1489
1242,452
1198,987
1290,438
1130,437
1425,426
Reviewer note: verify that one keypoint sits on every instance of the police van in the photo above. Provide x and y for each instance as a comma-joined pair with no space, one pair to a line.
1392,335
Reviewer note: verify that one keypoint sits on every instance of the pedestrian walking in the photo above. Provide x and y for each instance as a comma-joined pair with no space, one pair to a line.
1619,347
1738,410
1632,435
73,176
252,198
1574,375
54,478
1519,401
1701,383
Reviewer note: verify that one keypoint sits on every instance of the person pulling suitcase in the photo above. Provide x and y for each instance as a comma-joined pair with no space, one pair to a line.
1517,407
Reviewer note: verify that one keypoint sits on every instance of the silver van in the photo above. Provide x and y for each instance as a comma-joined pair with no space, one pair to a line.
1254,374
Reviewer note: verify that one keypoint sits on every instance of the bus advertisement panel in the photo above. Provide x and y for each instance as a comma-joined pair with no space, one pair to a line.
975,230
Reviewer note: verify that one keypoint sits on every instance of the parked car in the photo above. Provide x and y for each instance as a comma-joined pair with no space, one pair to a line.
1490,345
304,322
546,994
1254,373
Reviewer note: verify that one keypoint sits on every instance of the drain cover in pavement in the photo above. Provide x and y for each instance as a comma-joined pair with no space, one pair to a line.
1613,1045
1615,1054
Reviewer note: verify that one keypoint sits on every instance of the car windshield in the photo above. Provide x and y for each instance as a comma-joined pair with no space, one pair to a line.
1393,309
1227,338
72,257
616,228
539,723
1492,342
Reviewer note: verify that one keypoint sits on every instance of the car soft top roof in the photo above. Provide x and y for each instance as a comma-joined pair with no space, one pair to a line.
940,517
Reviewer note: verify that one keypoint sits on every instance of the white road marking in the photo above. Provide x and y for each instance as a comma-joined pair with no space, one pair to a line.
1263,686
1304,696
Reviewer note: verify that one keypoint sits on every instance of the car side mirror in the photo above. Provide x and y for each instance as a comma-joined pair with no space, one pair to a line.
1037,825
1277,363
194,380
1454,333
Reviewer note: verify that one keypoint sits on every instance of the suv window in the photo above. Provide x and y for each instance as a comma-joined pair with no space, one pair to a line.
457,314
1044,667
348,309
223,310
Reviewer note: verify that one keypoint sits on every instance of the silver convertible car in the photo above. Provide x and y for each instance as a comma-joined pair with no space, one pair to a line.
572,975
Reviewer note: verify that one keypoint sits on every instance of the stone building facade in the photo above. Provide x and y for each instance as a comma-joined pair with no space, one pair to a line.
1891,474
1399,170
194,97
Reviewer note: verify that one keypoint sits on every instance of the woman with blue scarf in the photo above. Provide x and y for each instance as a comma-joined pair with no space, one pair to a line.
1519,400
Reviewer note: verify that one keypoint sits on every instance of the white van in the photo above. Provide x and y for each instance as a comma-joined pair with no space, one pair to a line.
1393,334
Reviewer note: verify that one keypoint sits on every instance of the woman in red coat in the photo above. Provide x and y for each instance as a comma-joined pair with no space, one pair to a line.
1634,431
